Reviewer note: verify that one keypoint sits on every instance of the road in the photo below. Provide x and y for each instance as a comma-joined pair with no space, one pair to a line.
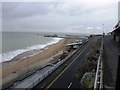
67,72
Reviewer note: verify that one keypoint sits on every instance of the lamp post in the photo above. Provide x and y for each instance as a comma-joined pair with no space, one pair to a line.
103,30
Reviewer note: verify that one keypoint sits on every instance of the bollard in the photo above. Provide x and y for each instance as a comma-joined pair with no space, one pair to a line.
117,85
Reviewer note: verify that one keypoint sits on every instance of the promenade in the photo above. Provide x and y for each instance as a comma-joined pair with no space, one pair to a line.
65,75
110,59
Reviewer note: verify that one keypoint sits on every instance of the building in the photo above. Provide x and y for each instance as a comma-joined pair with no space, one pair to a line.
116,32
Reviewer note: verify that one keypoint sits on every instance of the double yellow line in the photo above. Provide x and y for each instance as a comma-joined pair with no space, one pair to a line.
67,66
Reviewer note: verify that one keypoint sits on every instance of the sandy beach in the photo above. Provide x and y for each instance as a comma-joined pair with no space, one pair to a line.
17,66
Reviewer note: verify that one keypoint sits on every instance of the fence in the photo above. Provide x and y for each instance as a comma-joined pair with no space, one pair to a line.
98,85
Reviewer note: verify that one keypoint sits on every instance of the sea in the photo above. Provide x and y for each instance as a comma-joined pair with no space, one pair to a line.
15,43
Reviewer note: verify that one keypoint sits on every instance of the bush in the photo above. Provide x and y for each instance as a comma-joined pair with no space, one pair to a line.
90,60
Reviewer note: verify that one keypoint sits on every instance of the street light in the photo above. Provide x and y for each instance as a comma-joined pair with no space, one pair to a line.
103,30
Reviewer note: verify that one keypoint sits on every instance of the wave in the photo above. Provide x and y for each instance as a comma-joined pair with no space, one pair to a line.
11,54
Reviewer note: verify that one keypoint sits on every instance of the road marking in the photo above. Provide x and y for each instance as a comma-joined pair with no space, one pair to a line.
69,85
67,66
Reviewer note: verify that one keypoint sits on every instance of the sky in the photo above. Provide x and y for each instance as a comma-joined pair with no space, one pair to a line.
80,16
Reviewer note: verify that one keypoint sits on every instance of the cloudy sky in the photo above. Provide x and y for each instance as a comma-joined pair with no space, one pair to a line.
80,16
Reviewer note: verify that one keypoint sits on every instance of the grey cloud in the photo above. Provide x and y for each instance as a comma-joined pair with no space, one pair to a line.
56,16
21,10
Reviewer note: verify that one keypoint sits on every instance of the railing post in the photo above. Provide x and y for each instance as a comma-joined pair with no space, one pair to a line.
117,86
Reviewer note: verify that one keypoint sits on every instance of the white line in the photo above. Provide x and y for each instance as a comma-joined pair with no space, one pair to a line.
69,85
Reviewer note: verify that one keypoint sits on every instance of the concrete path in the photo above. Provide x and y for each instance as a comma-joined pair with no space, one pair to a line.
110,57
32,78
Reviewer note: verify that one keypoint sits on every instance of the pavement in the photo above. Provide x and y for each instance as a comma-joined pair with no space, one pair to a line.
65,76
30,79
110,60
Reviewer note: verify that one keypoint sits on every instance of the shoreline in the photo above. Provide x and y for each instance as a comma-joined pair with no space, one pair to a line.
11,70
28,51
28,54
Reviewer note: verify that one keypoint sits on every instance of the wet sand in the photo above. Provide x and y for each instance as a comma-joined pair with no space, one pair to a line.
17,66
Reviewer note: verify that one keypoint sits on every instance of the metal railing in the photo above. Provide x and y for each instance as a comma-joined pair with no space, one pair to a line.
98,84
